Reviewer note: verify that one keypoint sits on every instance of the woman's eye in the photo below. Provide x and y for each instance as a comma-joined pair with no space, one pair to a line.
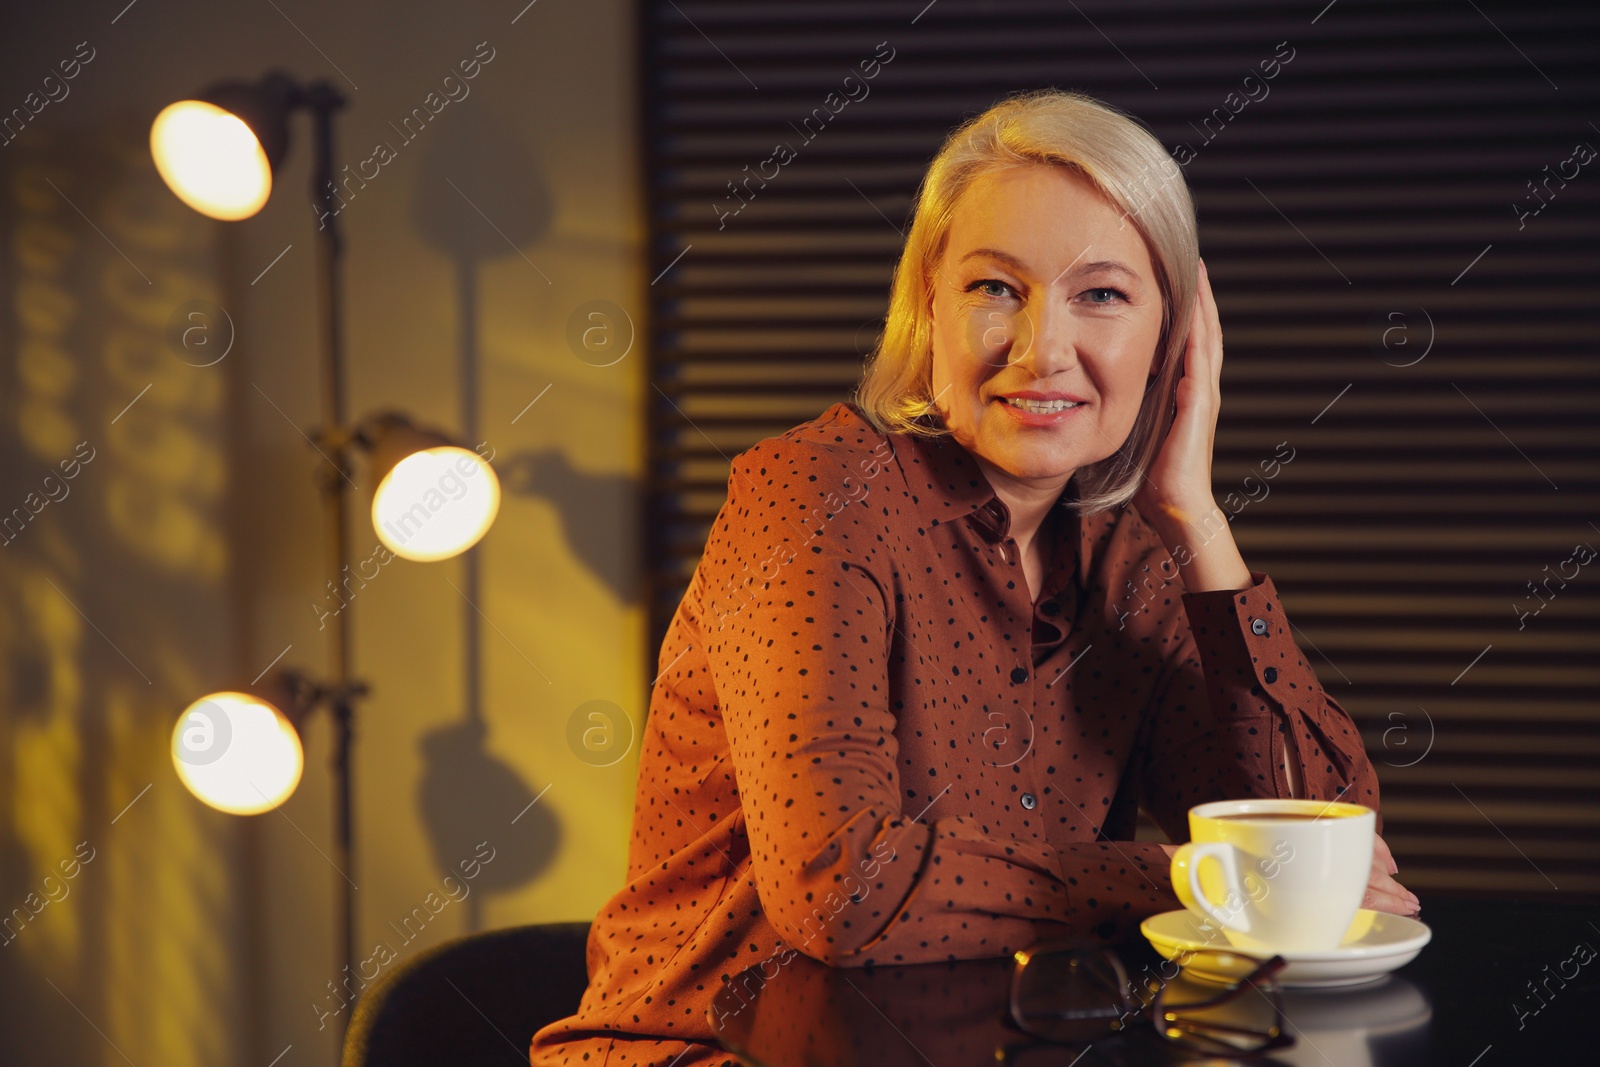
1105,296
992,287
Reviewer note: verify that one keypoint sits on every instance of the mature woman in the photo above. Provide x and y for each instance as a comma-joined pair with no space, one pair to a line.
946,641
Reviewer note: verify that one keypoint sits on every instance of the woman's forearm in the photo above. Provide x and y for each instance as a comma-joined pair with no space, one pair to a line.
1201,544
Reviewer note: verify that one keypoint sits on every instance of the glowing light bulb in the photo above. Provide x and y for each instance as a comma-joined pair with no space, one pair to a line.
435,503
211,159
237,753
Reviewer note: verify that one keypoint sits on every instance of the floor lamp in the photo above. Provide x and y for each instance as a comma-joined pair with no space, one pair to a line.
240,750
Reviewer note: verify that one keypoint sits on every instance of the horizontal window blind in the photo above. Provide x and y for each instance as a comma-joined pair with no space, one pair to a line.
1402,310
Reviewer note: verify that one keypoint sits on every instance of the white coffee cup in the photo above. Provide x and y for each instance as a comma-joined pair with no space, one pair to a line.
1285,876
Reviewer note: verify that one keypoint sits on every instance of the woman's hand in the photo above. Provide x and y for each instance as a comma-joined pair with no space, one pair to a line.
1177,487
1383,892
1176,497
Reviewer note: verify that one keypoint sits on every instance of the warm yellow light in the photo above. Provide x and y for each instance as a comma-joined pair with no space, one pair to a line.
211,159
237,753
435,503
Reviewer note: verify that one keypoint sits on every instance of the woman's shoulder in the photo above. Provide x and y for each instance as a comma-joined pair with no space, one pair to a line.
830,453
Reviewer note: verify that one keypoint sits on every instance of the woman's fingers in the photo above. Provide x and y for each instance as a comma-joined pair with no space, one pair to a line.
1178,483
1202,360
1380,851
1383,892
1203,355
1401,903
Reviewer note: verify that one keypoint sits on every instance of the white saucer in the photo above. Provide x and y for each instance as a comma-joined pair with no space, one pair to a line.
1376,943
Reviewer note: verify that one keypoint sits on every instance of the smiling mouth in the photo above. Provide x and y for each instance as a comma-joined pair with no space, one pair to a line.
1041,407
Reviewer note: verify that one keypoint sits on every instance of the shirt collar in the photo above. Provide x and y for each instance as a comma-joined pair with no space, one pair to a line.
947,485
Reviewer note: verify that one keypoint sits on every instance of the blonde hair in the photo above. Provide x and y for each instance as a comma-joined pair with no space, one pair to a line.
1132,169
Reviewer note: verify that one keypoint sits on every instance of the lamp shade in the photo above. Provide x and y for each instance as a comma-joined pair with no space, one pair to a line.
218,152
237,752
434,499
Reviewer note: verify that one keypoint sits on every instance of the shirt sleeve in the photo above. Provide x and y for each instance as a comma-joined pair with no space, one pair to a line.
1237,700
800,663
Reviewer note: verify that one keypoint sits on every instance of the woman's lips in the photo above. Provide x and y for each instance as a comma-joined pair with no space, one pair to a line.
1038,418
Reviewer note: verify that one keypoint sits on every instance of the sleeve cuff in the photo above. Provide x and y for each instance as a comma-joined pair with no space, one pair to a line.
1248,651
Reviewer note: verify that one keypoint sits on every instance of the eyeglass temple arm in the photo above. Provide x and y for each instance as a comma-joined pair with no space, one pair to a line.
1266,970
1220,1028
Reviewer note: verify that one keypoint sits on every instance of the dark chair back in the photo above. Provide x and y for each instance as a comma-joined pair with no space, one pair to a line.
476,1000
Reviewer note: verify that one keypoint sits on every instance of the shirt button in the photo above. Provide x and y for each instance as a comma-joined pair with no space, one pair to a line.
1270,674
1051,608
1258,627
1019,675
1030,801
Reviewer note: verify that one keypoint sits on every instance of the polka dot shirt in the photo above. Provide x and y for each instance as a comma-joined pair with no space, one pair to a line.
869,744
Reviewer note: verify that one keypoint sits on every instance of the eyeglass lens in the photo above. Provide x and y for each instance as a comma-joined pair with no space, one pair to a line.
1071,996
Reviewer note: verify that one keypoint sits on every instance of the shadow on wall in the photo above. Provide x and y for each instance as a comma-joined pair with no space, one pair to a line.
125,902
469,798
594,510
480,195
481,192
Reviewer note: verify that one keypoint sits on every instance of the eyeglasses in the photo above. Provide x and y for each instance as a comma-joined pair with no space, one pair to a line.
1079,995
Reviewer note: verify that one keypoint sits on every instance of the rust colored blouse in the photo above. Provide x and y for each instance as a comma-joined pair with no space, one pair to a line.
867,744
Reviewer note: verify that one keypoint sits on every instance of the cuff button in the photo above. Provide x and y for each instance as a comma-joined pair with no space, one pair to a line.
1258,627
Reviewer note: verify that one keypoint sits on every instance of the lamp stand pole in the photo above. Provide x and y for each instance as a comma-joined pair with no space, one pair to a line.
323,100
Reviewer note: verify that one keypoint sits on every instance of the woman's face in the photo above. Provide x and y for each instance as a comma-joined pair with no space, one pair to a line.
1047,296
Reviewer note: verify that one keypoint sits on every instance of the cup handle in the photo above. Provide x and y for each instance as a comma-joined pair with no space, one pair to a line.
1186,883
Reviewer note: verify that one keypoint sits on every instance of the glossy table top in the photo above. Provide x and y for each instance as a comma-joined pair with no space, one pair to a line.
1501,983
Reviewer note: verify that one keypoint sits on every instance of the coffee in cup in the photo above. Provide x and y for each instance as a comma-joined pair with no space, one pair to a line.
1284,875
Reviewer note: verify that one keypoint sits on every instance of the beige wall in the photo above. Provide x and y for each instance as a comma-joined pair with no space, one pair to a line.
190,543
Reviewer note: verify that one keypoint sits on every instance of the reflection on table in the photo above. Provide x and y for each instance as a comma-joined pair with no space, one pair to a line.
1456,1001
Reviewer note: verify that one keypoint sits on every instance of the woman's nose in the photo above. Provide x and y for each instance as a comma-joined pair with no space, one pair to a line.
1045,340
